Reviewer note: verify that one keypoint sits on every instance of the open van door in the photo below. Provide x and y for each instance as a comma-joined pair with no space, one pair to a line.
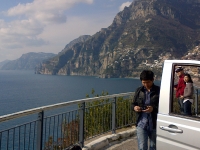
174,130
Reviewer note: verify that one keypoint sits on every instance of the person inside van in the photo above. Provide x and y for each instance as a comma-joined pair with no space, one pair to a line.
145,104
180,87
188,95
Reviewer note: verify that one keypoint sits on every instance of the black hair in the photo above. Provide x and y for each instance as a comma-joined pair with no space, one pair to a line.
190,79
147,75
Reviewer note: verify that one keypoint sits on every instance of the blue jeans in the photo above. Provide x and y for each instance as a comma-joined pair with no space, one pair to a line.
180,102
142,137
187,108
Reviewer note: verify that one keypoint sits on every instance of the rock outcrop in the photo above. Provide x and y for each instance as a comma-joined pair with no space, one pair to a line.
146,32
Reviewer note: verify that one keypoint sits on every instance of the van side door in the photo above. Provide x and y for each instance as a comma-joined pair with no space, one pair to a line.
175,131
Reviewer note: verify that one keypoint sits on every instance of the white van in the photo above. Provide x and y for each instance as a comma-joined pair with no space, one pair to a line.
176,131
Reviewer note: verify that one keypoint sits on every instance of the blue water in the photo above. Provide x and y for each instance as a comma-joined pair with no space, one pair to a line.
21,90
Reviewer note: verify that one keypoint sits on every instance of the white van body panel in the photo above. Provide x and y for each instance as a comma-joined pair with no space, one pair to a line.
188,140
175,132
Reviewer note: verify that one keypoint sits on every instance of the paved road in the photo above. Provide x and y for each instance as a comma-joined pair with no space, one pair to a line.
128,144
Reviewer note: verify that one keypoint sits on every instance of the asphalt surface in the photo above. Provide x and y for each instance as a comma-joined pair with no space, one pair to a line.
128,144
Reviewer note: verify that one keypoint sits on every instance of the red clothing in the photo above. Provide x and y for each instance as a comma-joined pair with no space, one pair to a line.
181,86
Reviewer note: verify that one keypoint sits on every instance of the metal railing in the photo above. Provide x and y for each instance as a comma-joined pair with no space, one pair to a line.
85,119
45,129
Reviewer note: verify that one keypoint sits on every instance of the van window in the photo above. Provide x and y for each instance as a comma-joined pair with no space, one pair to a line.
180,104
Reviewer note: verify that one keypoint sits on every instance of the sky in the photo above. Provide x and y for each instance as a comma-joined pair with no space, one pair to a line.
49,25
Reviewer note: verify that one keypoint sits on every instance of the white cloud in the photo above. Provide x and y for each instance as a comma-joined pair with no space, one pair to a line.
48,25
126,4
30,21
20,33
45,11
75,27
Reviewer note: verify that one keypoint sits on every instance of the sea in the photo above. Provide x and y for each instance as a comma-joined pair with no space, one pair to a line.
22,90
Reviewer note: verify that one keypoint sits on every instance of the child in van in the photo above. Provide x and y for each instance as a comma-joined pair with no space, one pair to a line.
188,95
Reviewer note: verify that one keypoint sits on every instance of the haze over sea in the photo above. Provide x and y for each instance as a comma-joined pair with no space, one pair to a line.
22,90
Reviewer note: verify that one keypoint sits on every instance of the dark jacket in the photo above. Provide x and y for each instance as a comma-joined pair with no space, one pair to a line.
139,100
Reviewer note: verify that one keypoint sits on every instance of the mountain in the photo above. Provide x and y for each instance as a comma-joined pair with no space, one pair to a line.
82,38
27,61
141,36
3,63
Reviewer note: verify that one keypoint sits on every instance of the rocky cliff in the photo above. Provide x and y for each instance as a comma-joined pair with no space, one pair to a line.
146,32
3,63
27,61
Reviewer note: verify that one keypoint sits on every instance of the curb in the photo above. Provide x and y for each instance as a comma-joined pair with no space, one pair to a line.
109,139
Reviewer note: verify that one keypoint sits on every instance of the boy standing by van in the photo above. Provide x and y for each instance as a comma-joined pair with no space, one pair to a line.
145,104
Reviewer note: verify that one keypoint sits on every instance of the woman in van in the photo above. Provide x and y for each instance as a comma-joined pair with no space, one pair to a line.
188,95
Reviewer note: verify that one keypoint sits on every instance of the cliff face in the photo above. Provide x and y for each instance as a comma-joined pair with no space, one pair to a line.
27,61
146,32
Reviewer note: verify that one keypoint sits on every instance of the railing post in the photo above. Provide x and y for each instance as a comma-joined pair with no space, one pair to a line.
196,102
81,129
114,115
40,130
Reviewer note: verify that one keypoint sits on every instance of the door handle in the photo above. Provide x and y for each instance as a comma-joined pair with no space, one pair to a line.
170,129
